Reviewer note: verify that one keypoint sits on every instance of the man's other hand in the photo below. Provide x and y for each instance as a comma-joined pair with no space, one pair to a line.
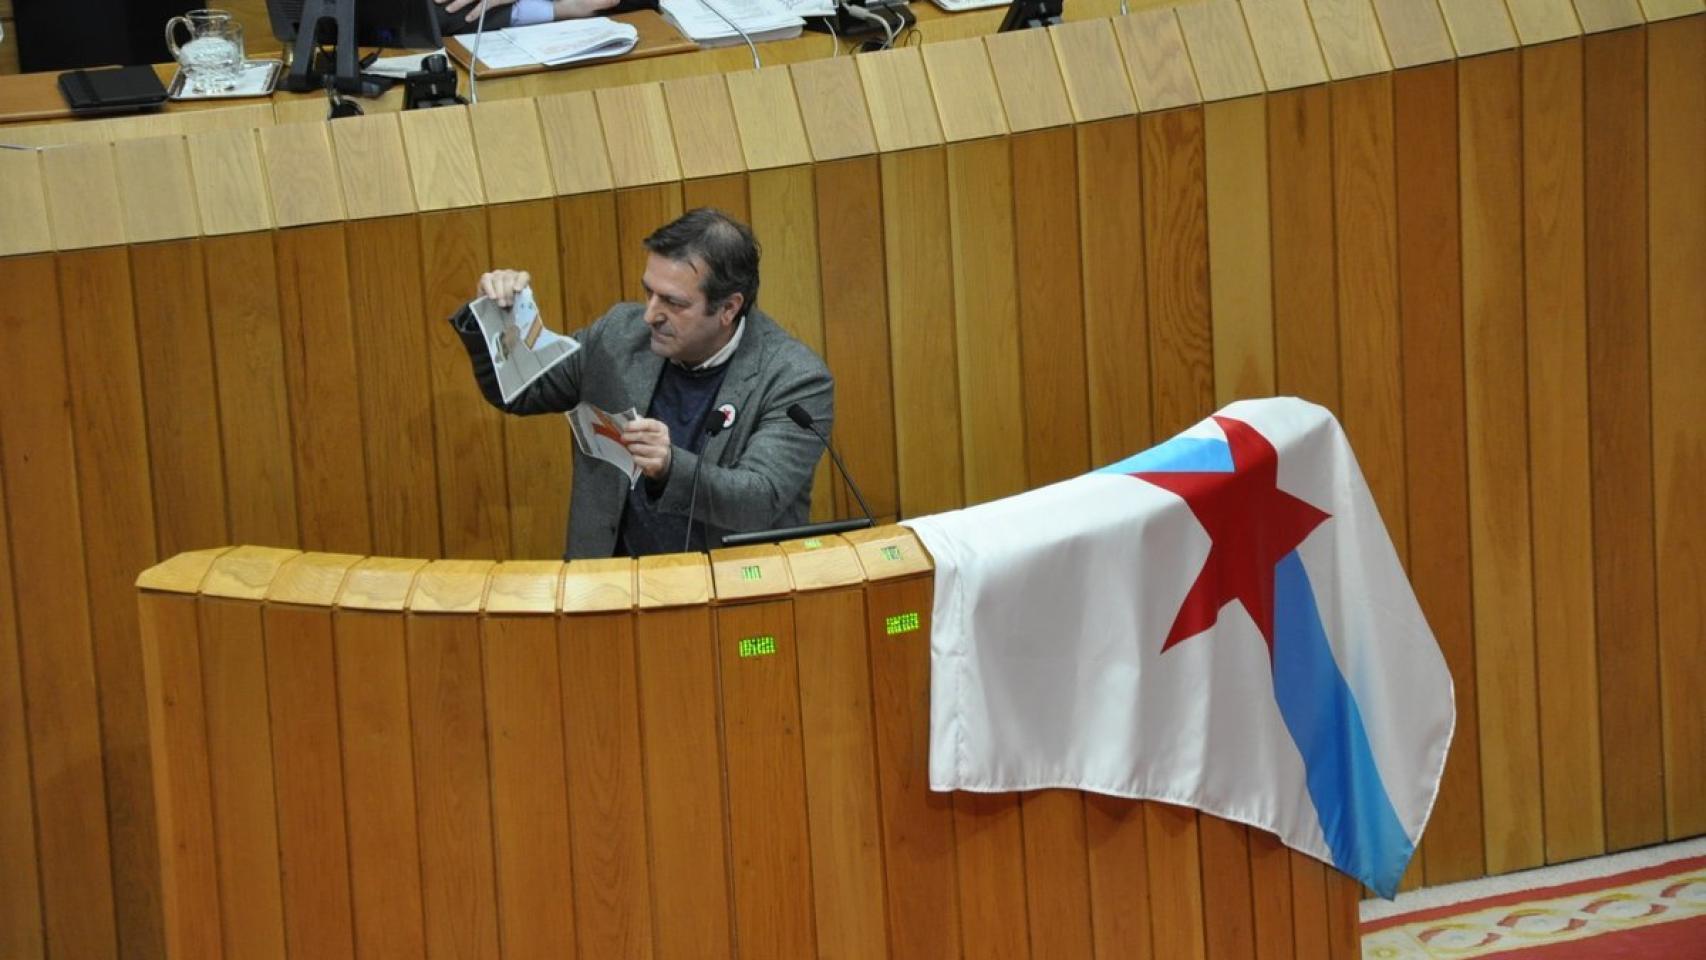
503,285
647,441
472,6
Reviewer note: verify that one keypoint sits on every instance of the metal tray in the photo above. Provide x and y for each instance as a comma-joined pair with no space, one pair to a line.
251,68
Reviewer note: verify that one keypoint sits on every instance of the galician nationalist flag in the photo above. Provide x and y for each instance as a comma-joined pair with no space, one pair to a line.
1219,622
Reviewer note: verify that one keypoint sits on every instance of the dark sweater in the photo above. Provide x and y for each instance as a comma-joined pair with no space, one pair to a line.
683,403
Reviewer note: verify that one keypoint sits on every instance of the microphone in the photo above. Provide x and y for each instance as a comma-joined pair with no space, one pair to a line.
801,416
718,422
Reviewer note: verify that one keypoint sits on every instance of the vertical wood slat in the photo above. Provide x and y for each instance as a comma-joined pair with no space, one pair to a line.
313,845
473,485
82,196
379,782
57,666
1543,21
1430,293
539,450
601,729
173,334
918,825
1271,901
1175,238
442,161
240,761
989,857
1556,321
1284,40
1478,27
172,670
766,780
24,224
1235,139
1115,835
117,506
231,191
1220,49
702,120
1116,302
157,199
1028,77
20,871
767,115
1227,896
1089,61
1305,306
1415,32
1157,60
1620,431
318,329
530,805
447,712
1056,412
1676,231
254,403
1351,41
857,350
1498,465
986,318
841,775
1176,901
916,236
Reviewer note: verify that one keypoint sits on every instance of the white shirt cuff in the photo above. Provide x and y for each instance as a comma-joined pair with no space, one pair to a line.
525,12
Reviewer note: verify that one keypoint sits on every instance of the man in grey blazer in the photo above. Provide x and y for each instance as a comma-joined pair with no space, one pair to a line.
695,354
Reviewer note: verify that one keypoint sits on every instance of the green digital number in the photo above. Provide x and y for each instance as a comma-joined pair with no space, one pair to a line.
751,572
901,623
757,646
891,553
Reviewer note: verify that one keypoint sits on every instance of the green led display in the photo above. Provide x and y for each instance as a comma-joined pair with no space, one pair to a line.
751,572
757,646
901,623
813,543
891,553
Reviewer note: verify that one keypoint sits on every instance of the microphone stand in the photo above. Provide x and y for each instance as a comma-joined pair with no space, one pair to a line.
711,430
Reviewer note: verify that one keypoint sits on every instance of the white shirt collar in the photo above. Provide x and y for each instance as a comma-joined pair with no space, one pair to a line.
722,356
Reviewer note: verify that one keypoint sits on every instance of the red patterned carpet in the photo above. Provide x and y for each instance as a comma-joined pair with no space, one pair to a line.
1651,912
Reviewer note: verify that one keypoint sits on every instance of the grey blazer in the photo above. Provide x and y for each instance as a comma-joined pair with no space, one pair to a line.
757,473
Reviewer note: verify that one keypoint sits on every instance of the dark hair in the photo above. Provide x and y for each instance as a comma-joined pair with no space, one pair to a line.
725,244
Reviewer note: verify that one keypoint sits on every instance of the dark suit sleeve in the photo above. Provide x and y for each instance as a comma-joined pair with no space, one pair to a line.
557,390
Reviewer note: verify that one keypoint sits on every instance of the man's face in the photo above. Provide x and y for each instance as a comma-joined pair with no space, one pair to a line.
684,327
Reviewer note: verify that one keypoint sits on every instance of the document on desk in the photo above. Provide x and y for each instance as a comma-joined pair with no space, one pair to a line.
713,23
520,347
552,44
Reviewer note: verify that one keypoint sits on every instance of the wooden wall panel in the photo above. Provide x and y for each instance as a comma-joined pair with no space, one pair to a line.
639,211
918,825
1115,836
916,241
116,497
1430,293
728,194
178,726
1497,411
392,356
1235,139
240,754
53,625
989,857
841,775
20,870
1047,255
1116,305
1175,246
530,803
591,260
1271,897
1676,231
254,401
850,241
601,729
379,784
1366,229
1556,322
986,318
1620,430
313,843
1227,896
768,835
539,450
472,482
1309,907
447,710
1300,191
319,330
1175,881
685,802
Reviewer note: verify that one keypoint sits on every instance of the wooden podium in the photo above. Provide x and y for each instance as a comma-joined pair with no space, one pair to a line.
666,758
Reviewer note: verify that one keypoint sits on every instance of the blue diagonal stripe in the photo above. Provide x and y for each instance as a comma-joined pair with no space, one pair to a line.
1357,816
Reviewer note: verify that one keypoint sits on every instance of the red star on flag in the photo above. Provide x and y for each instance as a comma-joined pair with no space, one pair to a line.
1251,526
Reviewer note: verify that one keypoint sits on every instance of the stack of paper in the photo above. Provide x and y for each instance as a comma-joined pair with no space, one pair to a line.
551,44
715,23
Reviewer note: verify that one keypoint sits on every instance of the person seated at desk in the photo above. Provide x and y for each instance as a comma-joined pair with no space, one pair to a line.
461,16
696,352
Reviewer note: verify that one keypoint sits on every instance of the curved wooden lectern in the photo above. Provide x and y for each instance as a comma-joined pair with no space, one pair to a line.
672,757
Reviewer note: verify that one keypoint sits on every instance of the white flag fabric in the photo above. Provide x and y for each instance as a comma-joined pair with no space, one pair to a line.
1219,622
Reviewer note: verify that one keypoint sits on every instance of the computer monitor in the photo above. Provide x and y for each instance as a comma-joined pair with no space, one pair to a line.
346,25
